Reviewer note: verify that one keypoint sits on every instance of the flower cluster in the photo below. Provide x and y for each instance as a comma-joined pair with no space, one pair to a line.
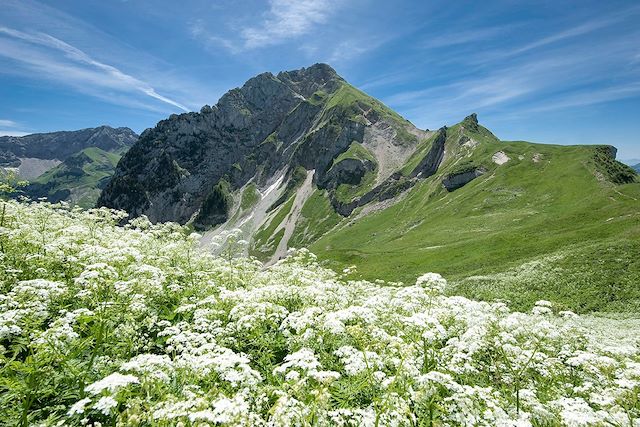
139,325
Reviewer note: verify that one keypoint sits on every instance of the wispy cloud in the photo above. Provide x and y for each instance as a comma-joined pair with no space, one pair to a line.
590,97
10,128
525,79
61,61
284,20
8,123
287,19
474,35
584,28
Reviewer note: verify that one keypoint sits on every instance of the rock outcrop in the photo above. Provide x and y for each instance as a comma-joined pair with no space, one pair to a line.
273,123
456,180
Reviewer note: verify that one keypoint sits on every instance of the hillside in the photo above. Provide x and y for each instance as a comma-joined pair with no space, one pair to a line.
304,159
78,180
68,165
135,326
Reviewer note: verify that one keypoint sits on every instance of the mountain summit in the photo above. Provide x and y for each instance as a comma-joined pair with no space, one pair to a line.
273,126
304,159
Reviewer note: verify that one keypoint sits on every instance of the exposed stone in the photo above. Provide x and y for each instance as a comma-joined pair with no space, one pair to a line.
454,181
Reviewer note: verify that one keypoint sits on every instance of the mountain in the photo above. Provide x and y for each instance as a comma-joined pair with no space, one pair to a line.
70,165
304,159
636,167
78,180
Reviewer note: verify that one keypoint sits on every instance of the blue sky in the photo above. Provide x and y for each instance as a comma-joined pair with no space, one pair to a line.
565,72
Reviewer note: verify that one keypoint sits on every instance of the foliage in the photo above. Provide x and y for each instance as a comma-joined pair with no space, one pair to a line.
134,325
10,183
317,218
78,179
265,241
215,207
355,151
250,197
616,172
545,199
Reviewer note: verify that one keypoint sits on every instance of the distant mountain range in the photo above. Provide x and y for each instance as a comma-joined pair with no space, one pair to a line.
71,165
304,159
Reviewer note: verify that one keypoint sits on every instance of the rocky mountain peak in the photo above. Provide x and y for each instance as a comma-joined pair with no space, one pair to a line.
306,81
471,122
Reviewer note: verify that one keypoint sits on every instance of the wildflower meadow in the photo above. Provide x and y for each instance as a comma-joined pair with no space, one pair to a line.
138,325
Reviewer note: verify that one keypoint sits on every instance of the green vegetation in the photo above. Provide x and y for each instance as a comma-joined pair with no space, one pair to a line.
545,199
355,151
586,277
102,325
250,197
346,193
418,155
464,166
318,98
296,179
614,171
215,207
264,240
79,178
353,102
317,217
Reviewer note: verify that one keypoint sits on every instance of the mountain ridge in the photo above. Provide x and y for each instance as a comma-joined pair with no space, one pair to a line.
304,159
66,165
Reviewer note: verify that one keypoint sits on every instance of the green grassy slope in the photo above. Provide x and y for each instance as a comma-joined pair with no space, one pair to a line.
545,200
80,177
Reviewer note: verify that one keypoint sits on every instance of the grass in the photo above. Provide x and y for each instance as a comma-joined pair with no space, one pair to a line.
355,151
317,217
601,276
418,155
516,213
264,241
346,193
79,178
353,101
215,207
250,197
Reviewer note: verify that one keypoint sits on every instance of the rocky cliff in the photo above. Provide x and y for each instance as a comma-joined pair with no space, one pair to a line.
309,118
294,158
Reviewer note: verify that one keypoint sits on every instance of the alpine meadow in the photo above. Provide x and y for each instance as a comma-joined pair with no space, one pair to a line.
361,240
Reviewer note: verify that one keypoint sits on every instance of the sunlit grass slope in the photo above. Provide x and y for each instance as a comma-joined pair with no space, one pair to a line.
545,200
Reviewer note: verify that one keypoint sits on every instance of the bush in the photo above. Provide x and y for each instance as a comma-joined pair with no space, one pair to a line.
134,325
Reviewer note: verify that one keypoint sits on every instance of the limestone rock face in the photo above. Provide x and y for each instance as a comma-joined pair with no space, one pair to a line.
61,145
454,181
249,133
271,125
193,168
